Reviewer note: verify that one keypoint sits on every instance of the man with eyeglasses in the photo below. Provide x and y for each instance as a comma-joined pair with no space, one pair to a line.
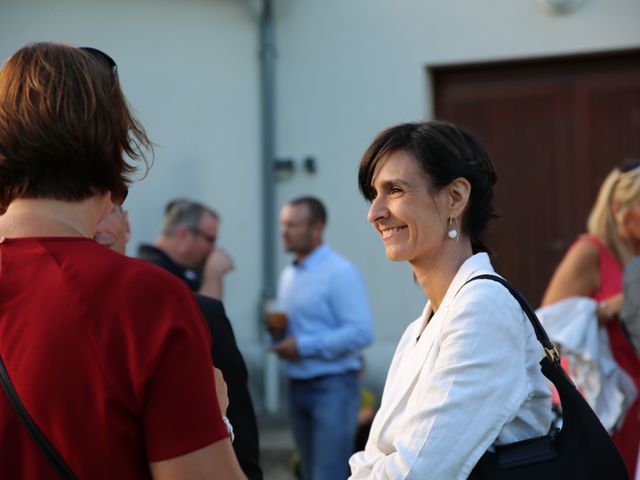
187,247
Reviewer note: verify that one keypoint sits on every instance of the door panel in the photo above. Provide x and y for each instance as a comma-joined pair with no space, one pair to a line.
554,129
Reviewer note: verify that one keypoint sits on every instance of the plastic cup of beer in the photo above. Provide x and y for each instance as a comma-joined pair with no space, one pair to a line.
275,318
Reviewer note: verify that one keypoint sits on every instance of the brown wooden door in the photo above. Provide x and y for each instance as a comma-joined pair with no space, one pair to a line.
554,128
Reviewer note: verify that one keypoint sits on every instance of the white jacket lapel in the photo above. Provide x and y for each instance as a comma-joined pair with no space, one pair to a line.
412,360
415,353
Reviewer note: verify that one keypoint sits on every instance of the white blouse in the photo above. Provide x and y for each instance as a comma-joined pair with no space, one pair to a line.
467,380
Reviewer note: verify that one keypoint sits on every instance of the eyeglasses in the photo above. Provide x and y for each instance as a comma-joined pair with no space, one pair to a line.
103,57
196,231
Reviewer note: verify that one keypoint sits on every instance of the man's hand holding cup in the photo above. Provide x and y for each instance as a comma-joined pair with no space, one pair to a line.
275,319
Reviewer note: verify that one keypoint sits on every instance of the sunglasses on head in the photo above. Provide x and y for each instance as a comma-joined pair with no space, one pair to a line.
101,56
630,165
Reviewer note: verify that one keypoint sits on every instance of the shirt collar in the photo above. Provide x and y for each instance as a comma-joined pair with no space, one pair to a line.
472,266
314,257
159,257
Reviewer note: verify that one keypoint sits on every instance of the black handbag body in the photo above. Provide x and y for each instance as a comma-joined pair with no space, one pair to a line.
581,449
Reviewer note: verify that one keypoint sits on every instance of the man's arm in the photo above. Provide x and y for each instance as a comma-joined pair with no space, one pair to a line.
349,301
227,357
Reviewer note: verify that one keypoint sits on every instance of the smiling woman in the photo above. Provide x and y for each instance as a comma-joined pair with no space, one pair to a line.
431,191
405,212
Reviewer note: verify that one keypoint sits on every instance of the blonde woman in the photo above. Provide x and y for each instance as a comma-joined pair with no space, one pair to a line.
593,267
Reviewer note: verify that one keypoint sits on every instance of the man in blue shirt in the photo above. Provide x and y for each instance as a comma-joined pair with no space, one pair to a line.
328,324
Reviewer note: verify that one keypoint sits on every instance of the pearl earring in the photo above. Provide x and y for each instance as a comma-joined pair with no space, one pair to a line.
453,232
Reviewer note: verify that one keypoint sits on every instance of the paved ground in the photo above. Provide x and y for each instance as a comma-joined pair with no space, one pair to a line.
276,449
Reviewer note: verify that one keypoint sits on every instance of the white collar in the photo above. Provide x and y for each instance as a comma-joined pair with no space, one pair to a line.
474,265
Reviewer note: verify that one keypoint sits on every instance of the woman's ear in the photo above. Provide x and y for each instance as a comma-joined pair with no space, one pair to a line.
458,196
105,204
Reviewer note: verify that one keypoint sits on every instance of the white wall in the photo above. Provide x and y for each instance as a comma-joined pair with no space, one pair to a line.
190,70
345,70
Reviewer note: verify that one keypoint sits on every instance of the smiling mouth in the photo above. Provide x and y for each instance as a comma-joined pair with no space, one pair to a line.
390,232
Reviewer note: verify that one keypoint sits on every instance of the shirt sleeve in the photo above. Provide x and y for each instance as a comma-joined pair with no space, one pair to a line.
458,408
180,412
349,303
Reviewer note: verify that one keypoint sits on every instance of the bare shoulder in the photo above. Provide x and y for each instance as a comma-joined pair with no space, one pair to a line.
578,273
584,249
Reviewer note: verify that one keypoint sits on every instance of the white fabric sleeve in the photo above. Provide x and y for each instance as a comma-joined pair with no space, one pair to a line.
457,409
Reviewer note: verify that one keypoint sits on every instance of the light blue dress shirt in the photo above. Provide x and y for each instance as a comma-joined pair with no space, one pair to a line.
325,300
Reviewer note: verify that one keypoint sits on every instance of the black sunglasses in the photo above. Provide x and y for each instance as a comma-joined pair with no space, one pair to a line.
103,57
630,165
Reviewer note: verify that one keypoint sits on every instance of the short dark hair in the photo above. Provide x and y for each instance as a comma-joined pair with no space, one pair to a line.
65,126
182,211
317,212
444,152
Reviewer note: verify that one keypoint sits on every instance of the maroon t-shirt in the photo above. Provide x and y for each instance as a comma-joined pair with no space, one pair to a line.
109,355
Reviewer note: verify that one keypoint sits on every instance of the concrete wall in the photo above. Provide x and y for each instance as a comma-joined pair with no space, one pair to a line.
190,70
345,70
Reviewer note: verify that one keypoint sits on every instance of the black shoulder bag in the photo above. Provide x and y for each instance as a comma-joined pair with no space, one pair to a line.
54,458
581,449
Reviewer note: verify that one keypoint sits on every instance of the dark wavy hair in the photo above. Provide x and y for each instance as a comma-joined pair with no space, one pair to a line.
444,152
65,126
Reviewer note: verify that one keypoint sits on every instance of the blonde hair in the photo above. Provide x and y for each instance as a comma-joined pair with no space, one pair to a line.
622,188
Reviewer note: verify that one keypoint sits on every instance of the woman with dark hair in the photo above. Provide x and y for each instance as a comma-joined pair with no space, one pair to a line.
108,355
448,397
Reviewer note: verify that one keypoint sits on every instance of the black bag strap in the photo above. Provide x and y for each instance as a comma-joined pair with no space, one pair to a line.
541,335
58,463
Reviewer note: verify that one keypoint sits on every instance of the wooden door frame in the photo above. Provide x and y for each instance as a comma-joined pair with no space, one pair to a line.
496,79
